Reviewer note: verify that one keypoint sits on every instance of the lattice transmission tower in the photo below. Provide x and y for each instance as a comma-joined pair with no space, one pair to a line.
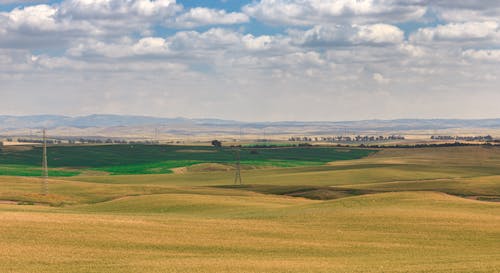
237,177
45,169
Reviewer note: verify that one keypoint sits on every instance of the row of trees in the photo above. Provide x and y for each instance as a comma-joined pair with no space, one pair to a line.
111,141
357,138
86,141
28,140
464,138
427,145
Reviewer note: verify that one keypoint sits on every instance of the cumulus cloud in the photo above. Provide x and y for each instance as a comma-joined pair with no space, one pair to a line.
264,42
10,2
150,45
37,26
379,78
310,12
379,34
196,17
457,31
58,24
64,64
483,55
215,39
466,32
313,12
324,52
32,18
117,17
341,35
175,46
118,9
70,20
467,10
123,48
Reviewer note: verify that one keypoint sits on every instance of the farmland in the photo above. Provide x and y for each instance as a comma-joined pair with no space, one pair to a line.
157,159
299,210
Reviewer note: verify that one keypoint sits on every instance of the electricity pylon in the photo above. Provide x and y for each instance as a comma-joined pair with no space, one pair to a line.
45,169
237,177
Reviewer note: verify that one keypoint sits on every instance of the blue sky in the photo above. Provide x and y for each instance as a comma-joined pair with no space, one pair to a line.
251,60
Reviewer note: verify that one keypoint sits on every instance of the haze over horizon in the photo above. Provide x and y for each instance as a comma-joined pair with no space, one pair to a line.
266,60
146,117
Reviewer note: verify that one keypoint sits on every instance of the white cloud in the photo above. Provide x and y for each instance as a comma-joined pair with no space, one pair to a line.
467,10
60,24
257,43
151,45
123,48
379,34
314,12
183,44
117,17
379,78
40,17
8,2
204,16
14,61
215,39
71,20
118,9
37,27
311,12
341,35
456,32
413,51
483,55
325,55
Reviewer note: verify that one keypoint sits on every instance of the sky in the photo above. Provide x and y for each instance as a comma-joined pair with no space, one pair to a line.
260,60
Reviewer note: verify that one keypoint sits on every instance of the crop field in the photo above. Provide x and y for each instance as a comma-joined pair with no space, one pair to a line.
298,210
158,159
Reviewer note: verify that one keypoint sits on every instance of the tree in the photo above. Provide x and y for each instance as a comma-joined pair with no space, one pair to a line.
216,143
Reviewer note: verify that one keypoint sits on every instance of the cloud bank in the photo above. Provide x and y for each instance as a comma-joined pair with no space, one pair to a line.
264,60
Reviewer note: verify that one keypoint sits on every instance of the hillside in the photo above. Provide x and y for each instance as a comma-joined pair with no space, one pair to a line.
108,125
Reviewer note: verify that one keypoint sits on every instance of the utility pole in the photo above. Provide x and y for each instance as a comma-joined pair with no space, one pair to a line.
45,170
237,177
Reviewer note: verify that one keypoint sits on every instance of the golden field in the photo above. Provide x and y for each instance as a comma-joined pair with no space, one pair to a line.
398,210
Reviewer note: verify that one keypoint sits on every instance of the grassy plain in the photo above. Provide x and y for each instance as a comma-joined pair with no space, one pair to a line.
397,210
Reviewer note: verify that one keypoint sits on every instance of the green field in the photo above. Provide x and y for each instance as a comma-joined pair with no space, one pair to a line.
159,159
394,210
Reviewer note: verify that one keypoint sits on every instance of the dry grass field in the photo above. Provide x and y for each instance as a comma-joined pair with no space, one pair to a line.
397,210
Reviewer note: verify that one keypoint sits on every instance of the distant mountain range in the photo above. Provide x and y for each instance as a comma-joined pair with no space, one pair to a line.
9,123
